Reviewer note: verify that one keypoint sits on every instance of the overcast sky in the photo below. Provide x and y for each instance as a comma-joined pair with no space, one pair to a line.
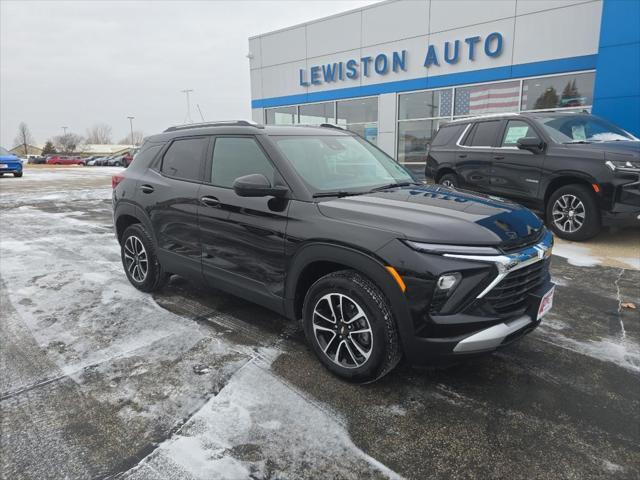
82,62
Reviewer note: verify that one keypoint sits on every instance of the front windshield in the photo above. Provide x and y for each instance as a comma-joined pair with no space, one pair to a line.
340,163
582,129
4,151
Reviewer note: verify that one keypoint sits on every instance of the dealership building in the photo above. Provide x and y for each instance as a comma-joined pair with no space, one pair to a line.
395,70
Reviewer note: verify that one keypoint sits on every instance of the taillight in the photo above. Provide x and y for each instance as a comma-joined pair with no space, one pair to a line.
115,180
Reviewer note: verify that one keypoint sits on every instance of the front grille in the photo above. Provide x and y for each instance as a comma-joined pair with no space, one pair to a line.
512,293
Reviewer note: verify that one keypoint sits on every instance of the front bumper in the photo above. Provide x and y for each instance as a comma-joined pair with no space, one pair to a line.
445,337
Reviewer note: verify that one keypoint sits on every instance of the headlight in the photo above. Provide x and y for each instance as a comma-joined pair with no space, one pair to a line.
623,165
458,249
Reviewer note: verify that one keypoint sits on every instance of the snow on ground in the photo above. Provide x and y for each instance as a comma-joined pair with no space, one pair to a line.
61,265
260,427
577,255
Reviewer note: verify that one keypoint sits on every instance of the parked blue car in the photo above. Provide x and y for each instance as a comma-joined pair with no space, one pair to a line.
10,163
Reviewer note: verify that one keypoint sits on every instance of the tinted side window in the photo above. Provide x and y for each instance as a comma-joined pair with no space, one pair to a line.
235,157
146,154
448,134
517,129
184,157
483,135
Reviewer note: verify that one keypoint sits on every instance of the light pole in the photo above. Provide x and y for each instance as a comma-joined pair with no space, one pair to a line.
187,92
131,124
64,130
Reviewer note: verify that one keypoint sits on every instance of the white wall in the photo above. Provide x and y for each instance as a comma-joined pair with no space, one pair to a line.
533,30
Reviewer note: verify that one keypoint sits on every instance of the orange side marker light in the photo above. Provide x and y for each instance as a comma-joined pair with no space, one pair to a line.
396,276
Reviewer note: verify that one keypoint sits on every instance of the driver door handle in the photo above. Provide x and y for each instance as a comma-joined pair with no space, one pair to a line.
499,157
462,155
210,201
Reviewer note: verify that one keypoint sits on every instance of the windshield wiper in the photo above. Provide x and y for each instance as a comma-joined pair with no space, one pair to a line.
339,193
576,141
392,185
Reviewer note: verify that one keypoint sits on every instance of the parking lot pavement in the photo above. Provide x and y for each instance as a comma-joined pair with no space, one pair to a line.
102,381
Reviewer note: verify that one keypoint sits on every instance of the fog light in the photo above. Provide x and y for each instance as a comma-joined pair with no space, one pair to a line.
448,281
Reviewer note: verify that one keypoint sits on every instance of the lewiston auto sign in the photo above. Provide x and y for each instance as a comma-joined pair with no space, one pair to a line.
452,52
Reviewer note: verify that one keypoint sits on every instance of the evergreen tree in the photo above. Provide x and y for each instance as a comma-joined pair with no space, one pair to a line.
548,99
48,148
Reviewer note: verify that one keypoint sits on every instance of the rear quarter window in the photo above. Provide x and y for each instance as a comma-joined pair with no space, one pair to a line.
448,134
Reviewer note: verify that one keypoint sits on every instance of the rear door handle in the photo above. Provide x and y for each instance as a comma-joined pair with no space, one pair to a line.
210,201
462,155
499,157
147,188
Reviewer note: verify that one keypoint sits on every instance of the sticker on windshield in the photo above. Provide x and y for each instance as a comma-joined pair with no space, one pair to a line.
578,133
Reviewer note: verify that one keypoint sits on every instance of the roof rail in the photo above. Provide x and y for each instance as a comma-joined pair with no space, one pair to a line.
224,123
330,125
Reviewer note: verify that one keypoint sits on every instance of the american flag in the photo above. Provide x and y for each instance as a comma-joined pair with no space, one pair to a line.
490,98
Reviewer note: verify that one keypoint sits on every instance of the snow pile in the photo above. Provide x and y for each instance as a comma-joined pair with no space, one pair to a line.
261,427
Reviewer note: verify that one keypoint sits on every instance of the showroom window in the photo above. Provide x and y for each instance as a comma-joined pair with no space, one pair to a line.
419,116
562,91
359,115
487,98
281,116
317,113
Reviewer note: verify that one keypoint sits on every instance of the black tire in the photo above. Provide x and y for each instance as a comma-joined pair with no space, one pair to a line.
449,180
587,205
17,174
155,277
357,291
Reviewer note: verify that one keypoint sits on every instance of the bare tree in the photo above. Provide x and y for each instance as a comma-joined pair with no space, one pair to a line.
138,137
99,134
24,137
68,143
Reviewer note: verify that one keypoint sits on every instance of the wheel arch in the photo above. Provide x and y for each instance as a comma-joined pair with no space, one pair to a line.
442,171
127,214
318,259
568,178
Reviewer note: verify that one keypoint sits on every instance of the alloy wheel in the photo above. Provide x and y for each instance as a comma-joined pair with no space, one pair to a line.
135,259
342,330
448,183
568,213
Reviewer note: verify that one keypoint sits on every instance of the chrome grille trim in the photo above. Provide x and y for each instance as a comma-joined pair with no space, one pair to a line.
513,261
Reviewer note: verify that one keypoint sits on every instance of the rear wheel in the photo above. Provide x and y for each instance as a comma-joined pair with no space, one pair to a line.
17,174
572,213
449,180
349,324
140,260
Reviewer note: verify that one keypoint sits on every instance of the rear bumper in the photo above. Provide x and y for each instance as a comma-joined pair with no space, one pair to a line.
11,169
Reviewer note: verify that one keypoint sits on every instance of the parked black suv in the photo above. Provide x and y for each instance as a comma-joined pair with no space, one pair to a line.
580,170
318,224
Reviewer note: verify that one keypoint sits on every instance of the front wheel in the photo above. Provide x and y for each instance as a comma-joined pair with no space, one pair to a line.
140,260
349,324
573,214
17,174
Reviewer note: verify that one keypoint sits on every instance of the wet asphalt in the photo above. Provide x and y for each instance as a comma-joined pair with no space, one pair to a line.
101,381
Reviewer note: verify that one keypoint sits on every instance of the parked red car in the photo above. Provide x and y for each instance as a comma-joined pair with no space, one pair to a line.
127,158
65,160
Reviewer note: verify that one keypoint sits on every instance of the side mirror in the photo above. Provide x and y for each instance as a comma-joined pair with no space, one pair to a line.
257,185
532,144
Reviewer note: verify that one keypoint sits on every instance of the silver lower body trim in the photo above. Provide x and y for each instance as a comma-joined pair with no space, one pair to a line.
492,337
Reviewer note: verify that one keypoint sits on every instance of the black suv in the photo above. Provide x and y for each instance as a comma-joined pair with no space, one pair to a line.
580,170
318,224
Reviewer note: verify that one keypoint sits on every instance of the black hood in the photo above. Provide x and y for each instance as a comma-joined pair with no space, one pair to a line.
611,150
438,214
